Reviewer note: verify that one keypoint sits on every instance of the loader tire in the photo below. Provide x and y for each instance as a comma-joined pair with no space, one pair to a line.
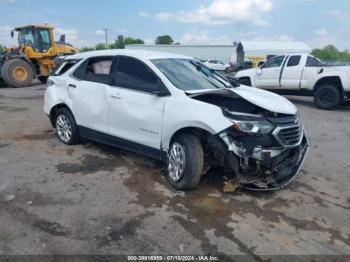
17,73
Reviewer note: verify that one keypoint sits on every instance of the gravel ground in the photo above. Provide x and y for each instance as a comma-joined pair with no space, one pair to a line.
94,199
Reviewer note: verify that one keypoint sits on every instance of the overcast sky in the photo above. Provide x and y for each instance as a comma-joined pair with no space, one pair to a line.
315,22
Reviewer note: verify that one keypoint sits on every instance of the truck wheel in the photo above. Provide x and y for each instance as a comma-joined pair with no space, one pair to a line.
17,73
245,82
327,97
66,127
185,162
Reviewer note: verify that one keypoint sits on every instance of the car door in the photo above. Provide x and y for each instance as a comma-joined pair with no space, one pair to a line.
87,88
291,73
135,112
268,75
312,68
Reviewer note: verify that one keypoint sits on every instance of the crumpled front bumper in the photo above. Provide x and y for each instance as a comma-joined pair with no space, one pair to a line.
267,169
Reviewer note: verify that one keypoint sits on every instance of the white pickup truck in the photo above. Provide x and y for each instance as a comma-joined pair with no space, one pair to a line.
301,74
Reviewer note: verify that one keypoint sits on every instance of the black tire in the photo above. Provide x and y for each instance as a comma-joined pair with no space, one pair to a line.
194,161
245,82
228,70
66,113
327,97
43,79
25,76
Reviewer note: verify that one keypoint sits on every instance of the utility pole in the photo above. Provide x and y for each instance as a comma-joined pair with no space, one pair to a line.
106,36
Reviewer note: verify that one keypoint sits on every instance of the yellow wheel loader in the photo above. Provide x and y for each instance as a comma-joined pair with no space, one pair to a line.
34,58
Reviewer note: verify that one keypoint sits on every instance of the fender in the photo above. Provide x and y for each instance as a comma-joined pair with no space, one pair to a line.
322,76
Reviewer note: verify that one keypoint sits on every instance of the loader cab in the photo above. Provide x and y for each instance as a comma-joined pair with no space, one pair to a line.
40,39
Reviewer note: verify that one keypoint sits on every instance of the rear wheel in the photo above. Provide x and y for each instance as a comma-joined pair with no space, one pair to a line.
43,79
17,73
327,97
185,162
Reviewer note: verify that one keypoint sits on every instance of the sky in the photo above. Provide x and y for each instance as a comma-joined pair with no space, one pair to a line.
314,22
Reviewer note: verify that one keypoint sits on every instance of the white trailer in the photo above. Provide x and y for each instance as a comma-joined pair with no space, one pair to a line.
225,53
244,54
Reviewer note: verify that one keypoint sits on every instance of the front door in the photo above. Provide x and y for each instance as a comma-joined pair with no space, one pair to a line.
135,112
291,74
269,75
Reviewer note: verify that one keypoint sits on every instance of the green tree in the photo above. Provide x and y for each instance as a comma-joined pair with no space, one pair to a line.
86,49
101,46
164,40
331,53
121,41
2,48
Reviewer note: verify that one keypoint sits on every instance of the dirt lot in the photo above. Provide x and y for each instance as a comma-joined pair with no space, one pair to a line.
94,199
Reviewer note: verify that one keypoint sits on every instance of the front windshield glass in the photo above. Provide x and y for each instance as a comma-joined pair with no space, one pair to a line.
188,74
25,37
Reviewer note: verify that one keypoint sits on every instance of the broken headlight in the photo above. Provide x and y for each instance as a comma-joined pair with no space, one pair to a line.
260,127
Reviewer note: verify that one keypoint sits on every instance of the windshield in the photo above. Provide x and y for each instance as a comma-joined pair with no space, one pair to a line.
25,37
37,38
190,74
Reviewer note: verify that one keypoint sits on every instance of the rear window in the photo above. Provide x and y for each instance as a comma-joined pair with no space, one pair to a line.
95,69
64,67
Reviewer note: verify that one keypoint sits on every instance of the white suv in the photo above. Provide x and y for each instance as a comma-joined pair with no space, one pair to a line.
174,108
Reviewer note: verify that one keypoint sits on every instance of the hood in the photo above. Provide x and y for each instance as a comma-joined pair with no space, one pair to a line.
264,99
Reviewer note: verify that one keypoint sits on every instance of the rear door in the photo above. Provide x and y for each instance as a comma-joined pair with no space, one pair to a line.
291,73
87,89
269,76
312,67
135,112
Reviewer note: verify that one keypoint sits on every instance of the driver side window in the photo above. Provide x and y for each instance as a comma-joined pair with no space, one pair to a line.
274,62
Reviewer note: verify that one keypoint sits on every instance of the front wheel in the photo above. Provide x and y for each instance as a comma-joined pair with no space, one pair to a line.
327,97
17,73
185,162
66,127
245,82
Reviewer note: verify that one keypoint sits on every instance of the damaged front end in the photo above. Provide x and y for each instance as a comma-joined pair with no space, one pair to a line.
270,161
265,149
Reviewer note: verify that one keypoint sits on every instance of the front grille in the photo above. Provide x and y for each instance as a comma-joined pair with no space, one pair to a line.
291,136
289,133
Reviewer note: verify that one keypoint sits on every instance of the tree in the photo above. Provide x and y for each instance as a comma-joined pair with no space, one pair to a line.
86,49
164,40
101,46
2,48
121,41
331,53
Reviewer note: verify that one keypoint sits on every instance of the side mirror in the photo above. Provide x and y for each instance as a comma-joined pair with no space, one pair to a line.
12,34
259,71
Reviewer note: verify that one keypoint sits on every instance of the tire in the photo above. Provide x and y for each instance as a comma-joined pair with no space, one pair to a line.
228,70
245,82
192,165
65,124
17,73
43,79
327,97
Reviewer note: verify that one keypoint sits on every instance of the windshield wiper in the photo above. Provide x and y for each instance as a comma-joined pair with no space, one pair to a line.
210,73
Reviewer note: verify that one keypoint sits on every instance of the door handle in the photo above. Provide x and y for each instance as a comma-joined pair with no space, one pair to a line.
116,96
72,86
